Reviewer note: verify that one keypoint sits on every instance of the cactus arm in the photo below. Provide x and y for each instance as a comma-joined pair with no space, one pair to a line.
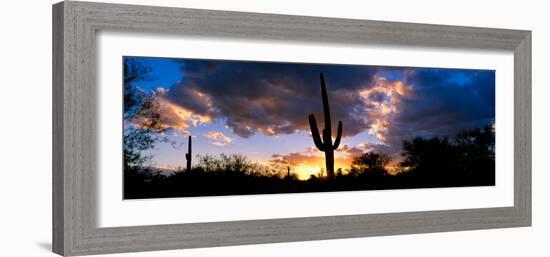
338,136
315,133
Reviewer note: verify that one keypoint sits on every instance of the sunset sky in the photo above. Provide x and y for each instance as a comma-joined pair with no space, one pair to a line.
260,109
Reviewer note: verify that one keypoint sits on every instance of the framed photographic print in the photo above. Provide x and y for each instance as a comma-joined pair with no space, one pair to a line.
246,128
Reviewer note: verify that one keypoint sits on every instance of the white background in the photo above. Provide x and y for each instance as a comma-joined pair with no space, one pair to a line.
25,106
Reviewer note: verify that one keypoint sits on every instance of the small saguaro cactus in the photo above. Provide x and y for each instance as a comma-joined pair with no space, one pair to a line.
288,171
325,144
188,155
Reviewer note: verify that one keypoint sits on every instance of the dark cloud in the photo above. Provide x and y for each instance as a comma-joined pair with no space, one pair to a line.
270,98
446,100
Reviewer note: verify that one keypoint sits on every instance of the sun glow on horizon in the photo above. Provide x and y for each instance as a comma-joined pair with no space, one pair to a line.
304,171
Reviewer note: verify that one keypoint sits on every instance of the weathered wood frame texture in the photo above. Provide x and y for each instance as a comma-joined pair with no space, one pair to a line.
75,25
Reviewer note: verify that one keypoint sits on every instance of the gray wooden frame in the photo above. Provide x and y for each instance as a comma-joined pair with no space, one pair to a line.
75,25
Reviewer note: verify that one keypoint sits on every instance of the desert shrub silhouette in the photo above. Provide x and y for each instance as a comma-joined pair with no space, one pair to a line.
466,159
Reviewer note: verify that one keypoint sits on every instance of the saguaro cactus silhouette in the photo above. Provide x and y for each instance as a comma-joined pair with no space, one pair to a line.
288,171
325,144
188,155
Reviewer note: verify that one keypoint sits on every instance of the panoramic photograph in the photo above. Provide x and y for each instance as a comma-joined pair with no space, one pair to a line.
201,127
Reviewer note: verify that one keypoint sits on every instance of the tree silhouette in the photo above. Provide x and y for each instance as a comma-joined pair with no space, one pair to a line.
427,157
135,70
142,122
466,158
370,163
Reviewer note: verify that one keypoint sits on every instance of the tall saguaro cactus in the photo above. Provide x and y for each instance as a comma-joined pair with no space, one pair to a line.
188,155
325,144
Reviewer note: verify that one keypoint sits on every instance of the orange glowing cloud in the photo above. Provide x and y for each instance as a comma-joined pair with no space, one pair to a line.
384,99
218,138
179,118
369,146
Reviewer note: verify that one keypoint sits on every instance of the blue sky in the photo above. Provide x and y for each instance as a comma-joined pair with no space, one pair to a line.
260,109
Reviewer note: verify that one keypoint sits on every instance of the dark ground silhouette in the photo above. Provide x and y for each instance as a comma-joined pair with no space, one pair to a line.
464,160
